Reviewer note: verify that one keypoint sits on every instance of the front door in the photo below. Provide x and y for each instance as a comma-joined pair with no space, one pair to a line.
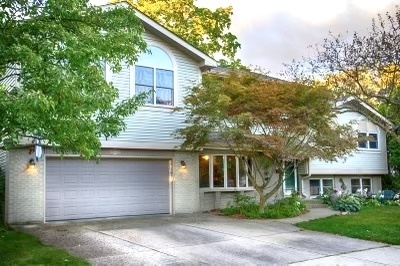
290,182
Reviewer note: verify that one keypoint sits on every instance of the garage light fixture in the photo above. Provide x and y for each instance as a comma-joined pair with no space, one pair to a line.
183,164
31,163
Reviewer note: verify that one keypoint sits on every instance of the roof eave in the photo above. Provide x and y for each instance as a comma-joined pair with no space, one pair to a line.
205,62
368,110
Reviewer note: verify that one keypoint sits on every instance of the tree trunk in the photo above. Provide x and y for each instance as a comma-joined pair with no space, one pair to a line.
261,206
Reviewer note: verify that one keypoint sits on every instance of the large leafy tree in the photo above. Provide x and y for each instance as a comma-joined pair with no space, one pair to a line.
366,66
272,122
201,27
52,56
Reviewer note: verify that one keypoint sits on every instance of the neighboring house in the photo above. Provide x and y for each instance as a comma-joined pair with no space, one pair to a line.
361,171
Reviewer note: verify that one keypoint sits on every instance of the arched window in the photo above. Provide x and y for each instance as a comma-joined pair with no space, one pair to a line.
154,73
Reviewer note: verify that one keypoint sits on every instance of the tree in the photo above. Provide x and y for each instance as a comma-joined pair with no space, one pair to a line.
52,57
203,28
365,66
274,123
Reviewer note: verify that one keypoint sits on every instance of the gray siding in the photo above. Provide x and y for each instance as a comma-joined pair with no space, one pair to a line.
3,160
121,81
361,162
156,124
11,81
302,168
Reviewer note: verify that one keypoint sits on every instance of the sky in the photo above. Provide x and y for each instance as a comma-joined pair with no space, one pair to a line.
273,32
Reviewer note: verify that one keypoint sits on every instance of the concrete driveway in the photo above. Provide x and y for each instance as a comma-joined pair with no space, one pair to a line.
209,239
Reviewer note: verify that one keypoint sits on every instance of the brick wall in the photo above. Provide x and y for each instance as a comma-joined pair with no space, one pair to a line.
24,188
219,199
186,183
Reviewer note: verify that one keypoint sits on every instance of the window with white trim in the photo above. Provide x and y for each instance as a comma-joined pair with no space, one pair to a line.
368,140
360,185
320,186
154,73
368,134
223,171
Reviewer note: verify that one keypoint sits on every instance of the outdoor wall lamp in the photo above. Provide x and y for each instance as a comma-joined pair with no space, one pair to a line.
31,163
183,164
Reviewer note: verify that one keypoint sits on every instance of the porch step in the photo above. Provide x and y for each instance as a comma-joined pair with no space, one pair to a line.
315,203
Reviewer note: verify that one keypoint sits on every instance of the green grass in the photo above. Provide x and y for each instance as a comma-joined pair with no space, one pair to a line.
17,248
376,223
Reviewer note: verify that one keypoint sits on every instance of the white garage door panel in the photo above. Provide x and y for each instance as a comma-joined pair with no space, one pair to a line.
77,189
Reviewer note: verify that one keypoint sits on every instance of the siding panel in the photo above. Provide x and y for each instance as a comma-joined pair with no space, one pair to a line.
12,81
360,162
3,160
155,124
121,81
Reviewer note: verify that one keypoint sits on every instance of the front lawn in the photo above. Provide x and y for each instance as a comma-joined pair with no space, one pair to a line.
17,248
376,223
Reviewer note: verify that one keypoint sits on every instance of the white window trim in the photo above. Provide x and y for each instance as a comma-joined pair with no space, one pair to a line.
225,187
367,141
321,185
361,183
175,77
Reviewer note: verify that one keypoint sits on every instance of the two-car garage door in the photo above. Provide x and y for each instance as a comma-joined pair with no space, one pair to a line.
77,189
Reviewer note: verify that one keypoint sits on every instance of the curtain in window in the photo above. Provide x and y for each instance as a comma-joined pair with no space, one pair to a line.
164,88
145,81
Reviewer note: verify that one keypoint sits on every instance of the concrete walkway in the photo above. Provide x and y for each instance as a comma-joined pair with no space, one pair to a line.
209,239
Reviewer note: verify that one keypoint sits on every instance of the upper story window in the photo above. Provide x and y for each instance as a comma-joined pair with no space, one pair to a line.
154,73
368,135
223,171
370,143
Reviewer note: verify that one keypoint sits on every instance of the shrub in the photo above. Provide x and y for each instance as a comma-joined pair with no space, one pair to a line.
246,206
391,182
286,207
392,203
348,203
372,202
326,197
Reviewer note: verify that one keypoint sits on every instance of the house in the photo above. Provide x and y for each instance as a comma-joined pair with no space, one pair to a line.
140,172
361,171
143,171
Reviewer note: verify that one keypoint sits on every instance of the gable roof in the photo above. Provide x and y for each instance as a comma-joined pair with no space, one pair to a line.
205,61
358,105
